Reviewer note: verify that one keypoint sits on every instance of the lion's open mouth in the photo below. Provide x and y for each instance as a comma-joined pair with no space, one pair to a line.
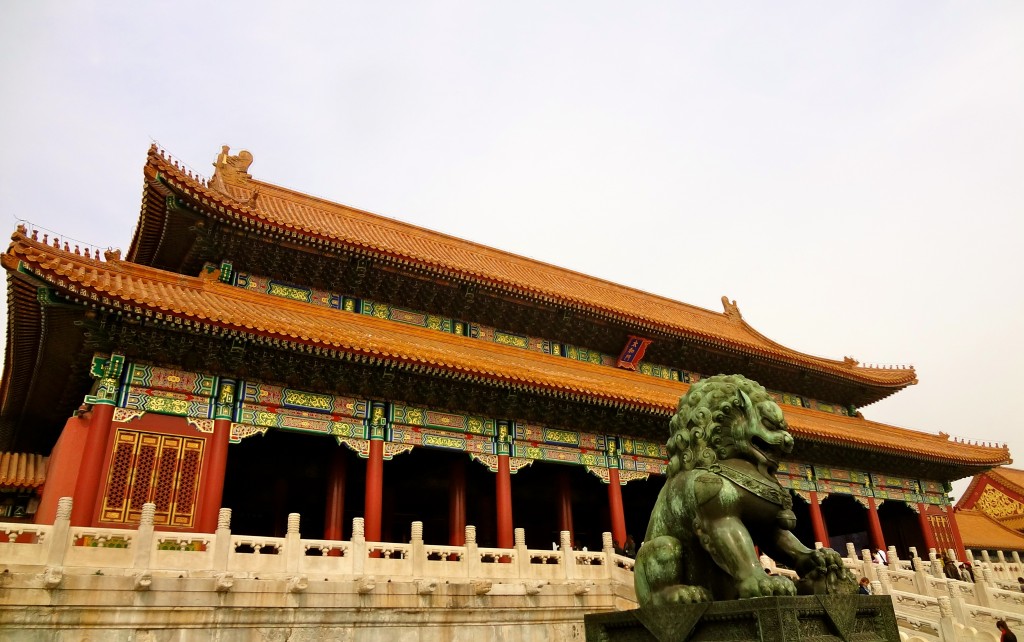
764,449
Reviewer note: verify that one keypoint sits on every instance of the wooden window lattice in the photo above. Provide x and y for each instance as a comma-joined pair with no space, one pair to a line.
120,470
145,467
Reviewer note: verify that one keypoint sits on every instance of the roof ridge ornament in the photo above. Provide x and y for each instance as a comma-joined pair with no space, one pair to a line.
732,311
231,169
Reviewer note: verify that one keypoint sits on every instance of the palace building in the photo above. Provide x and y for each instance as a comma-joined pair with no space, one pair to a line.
993,507
264,350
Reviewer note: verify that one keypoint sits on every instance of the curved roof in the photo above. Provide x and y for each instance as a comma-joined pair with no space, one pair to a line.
234,197
1012,478
1004,478
979,531
208,304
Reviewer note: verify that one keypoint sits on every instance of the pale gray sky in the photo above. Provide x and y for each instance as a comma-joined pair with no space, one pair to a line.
850,173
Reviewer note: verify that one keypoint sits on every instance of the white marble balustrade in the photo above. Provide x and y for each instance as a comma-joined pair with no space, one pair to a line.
929,606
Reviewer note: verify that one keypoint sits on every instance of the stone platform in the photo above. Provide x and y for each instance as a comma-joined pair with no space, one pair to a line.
819,618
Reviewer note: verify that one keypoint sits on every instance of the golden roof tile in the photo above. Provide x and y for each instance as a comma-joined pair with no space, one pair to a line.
1016,522
149,291
22,470
979,531
294,213
1012,478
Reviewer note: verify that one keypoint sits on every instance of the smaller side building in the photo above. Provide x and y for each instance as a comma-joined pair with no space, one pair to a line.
991,511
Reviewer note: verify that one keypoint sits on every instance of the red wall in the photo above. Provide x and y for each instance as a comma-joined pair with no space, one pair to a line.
62,469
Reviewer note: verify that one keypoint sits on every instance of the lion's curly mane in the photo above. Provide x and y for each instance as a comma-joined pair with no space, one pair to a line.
701,430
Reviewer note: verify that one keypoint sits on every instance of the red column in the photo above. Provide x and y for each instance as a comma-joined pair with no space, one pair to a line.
817,520
961,554
875,526
503,489
334,508
618,516
457,504
87,488
565,506
374,490
926,529
213,480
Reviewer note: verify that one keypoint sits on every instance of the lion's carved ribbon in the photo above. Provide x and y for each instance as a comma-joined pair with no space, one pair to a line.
760,486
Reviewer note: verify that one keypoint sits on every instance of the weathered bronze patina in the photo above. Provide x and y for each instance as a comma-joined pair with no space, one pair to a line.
721,499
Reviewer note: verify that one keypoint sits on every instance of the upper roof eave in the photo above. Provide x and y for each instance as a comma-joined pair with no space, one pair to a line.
284,212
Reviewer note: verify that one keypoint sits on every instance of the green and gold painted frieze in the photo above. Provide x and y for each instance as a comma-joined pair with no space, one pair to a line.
828,480
417,416
649,449
644,465
274,397
256,407
796,476
301,421
168,403
286,290
558,454
540,434
168,391
446,440
157,378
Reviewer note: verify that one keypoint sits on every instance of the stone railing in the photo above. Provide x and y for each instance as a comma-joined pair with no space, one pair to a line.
931,607
61,549
95,566
126,584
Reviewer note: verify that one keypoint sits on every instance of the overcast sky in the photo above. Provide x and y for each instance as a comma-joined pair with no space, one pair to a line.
851,173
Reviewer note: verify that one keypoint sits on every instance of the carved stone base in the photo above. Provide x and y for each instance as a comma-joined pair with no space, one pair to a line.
768,619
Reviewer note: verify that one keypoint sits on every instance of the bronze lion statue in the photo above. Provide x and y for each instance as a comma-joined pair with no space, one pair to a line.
721,499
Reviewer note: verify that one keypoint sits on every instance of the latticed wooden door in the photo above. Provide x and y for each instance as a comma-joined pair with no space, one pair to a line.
151,467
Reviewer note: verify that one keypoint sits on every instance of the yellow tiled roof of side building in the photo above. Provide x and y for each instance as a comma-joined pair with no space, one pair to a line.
980,531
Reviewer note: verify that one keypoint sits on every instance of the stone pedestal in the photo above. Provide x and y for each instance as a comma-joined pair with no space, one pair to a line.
766,619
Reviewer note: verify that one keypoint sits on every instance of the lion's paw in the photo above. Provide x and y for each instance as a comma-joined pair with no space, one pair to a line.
682,594
823,571
765,585
821,561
